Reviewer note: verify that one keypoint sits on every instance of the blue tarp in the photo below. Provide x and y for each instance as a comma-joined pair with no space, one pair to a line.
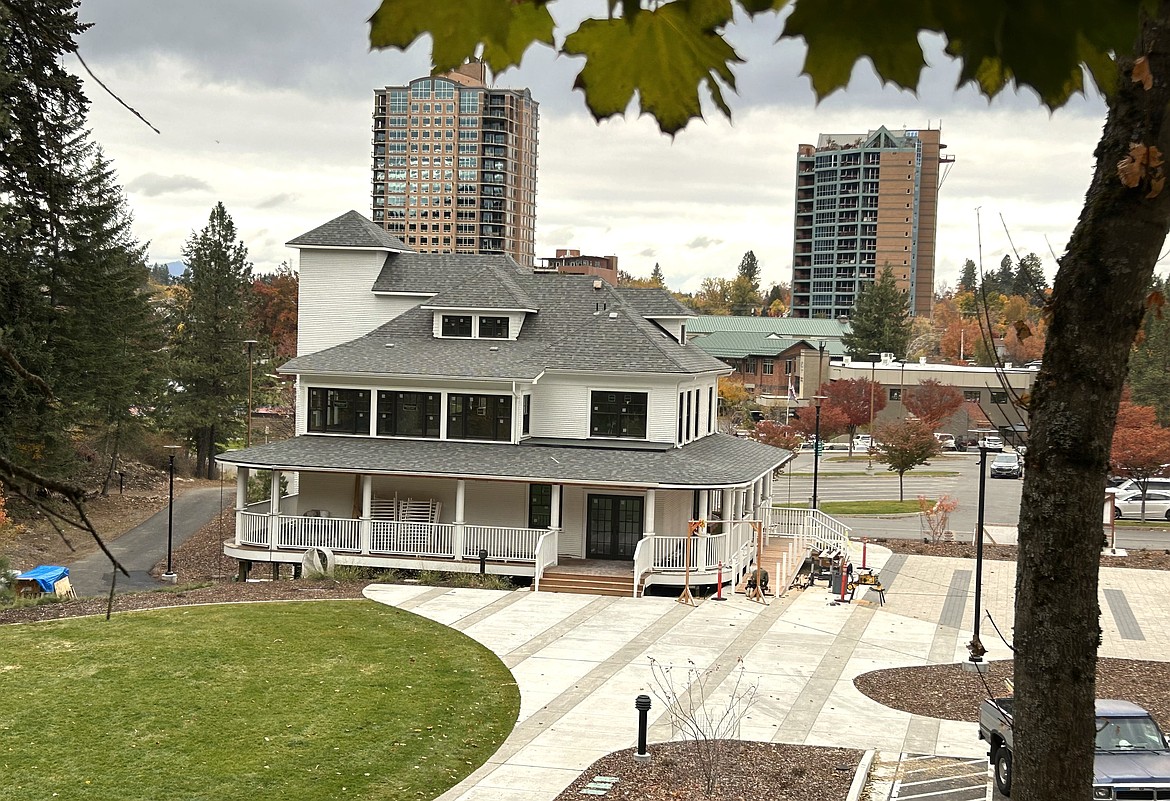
46,576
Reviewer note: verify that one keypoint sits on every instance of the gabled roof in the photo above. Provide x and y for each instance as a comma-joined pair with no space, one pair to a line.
577,327
796,327
652,302
491,288
433,273
350,230
737,345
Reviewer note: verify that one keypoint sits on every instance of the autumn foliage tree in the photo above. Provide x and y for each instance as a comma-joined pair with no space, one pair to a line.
1140,445
777,435
932,401
858,399
273,313
903,445
833,422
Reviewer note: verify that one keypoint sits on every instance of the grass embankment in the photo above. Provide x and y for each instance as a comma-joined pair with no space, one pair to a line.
312,700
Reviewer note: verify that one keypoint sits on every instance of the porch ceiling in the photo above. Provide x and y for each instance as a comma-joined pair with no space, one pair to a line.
718,460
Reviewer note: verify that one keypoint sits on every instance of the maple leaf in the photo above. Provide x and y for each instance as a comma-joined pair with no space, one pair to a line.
1141,73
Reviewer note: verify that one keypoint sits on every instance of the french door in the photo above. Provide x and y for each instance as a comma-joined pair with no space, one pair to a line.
613,526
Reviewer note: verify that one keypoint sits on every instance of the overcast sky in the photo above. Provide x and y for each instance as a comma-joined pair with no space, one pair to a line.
266,106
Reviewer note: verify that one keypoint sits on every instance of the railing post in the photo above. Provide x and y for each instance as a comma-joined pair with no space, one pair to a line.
458,532
366,525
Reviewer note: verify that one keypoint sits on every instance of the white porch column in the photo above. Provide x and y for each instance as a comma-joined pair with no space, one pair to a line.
365,527
460,498
554,519
749,501
241,498
648,518
704,507
728,509
274,511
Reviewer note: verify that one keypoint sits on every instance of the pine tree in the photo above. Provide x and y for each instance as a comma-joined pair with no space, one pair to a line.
1149,366
208,361
657,277
968,279
1028,281
749,268
880,322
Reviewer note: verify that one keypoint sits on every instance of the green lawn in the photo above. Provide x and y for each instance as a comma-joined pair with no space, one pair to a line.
312,700
864,507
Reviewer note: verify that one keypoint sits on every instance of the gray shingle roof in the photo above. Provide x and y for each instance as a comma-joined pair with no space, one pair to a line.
577,327
715,460
491,288
350,230
435,273
652,302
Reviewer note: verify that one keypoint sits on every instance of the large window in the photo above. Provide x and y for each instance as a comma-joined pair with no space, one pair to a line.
526,427
493,327
539,505
408,414
457,325
972,395
618,414
339,411
479,417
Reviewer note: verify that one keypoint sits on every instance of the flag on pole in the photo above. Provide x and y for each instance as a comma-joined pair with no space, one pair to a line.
791,391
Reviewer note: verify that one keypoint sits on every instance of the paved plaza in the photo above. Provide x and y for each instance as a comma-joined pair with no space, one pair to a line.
581,660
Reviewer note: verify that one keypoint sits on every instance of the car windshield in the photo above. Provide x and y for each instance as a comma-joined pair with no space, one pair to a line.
1129,734
1005,458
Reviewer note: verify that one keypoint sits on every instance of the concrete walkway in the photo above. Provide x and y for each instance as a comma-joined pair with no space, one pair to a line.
143,546
581,660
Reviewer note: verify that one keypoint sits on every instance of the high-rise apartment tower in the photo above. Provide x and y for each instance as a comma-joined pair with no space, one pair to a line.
455,165
864,201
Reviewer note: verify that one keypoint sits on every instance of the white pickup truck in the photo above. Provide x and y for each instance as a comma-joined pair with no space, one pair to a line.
1132,758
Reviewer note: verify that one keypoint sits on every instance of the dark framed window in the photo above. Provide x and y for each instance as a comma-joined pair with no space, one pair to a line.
696,414
895,393
540,505
527,420
457,325
999,397
479,417
493,327
339,411
769,366
710,409
409,414
972,395
618,414
680,418
689,402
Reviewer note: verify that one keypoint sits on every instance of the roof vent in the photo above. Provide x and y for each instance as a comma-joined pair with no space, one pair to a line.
613,315
597,283
389,344
494,348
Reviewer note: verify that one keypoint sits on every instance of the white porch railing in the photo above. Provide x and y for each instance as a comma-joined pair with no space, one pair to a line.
661,553
546,555
336,534
501,543
412,539
252,528
812,524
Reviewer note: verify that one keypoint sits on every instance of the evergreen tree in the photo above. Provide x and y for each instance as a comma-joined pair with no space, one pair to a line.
208,361
1149,366
657,277
749,268
968,279
880,322
1028,281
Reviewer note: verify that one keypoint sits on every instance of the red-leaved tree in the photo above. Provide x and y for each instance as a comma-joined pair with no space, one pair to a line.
1141,447
904,444
859,399
833,422
932,401
777,435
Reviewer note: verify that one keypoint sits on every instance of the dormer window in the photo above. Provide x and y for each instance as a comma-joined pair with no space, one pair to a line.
457,325
493,327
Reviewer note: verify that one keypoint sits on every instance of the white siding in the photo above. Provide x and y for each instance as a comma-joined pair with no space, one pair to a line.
672,327
672,512
572,539
419,489
560,405
497,503
333,492
336,302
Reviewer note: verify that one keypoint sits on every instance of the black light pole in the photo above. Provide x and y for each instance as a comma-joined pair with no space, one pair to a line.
818,400
170,574
248,433
975,647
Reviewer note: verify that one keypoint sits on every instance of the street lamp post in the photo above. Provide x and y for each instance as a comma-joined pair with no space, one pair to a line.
170,574
869,453
975,647
818,400
248,432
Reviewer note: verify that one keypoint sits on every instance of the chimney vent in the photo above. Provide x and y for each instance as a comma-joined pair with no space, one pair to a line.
597,283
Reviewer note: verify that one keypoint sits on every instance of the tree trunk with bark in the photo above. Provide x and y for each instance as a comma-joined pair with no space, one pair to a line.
1097,306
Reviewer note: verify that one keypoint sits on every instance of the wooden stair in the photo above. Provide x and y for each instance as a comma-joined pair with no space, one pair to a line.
555,580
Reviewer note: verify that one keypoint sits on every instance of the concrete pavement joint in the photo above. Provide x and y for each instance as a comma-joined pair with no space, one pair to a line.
487,611
554,633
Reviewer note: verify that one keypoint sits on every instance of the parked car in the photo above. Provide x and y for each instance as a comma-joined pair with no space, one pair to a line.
1007,465
1129,505
1130,485
991,442
1130,759
862,442
945,441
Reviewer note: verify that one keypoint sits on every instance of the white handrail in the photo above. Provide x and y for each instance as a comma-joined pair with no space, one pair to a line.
643,559
544,556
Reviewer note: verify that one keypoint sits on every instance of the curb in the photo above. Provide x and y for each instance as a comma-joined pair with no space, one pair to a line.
861,776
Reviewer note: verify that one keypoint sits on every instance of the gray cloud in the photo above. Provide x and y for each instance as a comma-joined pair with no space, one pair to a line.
647,253
276,201
702,242
152,184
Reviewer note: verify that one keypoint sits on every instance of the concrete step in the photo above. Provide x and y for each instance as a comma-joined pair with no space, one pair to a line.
617,586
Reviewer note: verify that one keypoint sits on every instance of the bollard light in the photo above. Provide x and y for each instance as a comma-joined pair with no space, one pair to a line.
642,704
482,561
